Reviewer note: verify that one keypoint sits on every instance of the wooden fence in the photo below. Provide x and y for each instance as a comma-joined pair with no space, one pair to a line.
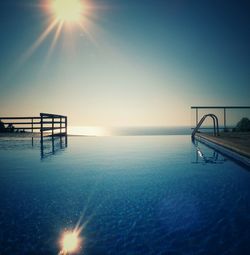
53,125
47,124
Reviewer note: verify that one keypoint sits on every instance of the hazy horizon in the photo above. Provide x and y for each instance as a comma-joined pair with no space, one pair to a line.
128,131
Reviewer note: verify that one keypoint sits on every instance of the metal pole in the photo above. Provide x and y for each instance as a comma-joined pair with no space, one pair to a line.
214,124
196,116
225,126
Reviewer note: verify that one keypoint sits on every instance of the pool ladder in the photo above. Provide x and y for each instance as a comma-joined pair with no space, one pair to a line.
215,122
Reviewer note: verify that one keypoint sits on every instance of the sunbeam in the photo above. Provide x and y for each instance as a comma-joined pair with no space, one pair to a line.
88,34
39,41
73,240
55,39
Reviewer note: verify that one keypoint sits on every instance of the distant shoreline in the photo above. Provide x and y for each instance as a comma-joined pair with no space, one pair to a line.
114,131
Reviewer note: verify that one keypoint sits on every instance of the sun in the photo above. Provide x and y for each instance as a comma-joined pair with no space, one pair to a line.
69,15
67,10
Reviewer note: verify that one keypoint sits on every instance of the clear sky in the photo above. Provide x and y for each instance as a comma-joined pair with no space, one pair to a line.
133,62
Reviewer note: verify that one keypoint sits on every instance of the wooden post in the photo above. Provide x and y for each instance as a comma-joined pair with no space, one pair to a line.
66,125
32,126
53,145
41,125
60,126
66,131
41,134
53,126
66,141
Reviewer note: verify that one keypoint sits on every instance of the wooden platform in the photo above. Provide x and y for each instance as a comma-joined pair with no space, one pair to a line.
234,141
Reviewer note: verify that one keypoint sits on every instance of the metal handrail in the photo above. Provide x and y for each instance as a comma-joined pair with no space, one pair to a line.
224,108
215,122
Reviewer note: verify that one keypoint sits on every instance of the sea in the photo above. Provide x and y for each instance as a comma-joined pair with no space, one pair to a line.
128,131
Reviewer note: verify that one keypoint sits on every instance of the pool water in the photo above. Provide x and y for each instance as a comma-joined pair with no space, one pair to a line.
131,194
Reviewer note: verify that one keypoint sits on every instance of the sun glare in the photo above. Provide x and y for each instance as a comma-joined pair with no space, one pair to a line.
68,14
89,131
70,242
67,10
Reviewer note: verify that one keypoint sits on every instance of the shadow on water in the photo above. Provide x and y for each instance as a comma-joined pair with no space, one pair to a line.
51,145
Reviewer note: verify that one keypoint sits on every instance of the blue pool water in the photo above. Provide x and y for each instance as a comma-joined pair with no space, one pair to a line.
133,195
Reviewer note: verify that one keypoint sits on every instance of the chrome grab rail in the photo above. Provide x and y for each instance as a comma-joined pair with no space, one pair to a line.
215,122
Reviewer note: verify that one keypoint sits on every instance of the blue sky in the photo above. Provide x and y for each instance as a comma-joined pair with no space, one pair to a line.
146,64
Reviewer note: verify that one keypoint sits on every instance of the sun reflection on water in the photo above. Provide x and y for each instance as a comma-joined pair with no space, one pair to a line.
88,131
71,242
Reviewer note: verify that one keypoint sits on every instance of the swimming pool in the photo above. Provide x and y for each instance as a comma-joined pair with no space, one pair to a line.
132,195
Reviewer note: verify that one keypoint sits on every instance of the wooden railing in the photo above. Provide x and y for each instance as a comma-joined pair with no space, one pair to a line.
53,123
21,123
47,124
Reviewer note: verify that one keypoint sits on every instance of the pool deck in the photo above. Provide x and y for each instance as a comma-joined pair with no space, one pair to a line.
238,143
